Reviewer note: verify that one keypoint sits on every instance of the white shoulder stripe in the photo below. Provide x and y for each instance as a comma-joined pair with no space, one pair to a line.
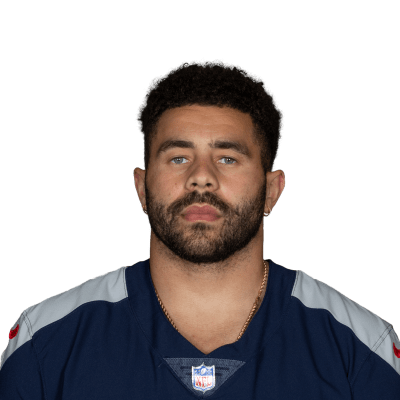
108,287
368,327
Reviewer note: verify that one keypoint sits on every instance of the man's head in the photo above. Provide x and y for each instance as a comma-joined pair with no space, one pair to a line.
212,135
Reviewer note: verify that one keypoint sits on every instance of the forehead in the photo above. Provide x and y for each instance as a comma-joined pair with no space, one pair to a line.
206,120
199,127
212,126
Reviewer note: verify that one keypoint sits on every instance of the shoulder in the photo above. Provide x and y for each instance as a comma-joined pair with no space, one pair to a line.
367,326
110,287
316,294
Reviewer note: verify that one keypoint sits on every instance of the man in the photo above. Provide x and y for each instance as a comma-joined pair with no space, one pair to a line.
205,316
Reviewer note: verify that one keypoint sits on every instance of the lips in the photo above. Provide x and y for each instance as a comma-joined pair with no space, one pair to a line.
204,210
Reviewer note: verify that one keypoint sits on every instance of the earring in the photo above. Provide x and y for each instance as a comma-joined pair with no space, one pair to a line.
144,209
266,215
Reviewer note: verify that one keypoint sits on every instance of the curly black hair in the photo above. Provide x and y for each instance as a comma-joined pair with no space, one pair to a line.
219,85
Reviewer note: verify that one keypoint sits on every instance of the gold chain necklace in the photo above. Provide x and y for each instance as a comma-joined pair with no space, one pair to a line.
252,311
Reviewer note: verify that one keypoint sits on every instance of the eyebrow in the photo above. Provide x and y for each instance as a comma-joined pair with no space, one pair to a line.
218,144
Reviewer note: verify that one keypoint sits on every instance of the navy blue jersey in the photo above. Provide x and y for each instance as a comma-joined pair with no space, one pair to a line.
109,339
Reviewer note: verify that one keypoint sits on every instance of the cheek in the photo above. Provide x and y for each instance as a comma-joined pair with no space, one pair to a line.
242,185
167,187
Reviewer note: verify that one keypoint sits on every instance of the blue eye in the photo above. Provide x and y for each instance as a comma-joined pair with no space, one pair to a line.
180,158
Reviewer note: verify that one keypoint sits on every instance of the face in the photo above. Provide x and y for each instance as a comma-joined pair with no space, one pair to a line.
205,172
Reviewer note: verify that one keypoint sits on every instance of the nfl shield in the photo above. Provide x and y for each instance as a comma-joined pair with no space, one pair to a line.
203,377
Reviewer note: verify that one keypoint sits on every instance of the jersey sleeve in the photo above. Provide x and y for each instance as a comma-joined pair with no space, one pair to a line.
20,376
379,375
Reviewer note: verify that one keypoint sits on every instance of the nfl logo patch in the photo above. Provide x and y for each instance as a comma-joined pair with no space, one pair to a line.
203,377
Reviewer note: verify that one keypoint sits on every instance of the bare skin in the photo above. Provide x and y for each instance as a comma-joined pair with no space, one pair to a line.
207,273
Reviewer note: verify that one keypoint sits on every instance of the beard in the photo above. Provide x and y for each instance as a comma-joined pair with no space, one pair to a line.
201,242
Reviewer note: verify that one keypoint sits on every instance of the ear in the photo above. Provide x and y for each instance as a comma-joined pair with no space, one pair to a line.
140,176
275,186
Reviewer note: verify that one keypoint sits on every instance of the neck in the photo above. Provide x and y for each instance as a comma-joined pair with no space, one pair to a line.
221,294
